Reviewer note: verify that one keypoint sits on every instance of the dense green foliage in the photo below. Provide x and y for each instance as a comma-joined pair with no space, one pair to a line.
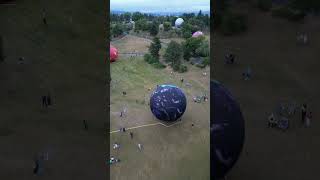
173,55
155,47
153,61
167,26
117,30
190,47
154,28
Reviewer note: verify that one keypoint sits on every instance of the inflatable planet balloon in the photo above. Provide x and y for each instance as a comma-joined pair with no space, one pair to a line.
227,130
113,53
179,22
197,34
168,103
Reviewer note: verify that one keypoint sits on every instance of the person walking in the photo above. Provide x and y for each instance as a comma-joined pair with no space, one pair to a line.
36,167
44,17
85,124
303,113
131,135
49,100
44,101
308,119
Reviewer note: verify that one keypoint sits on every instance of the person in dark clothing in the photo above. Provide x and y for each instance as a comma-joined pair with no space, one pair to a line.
44,101
181,80
124,93
49,100
229,58
131,135
36,167
85,125
303,113
123,129
44,18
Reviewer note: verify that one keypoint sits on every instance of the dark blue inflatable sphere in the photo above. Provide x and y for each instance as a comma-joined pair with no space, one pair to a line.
168,103
227,130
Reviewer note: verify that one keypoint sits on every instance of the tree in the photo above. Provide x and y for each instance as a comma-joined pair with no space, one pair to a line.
203,50
137,16
117,30
155,47
141,24
154,29
186,30
166,26
173,55
196,23
190,47
127,16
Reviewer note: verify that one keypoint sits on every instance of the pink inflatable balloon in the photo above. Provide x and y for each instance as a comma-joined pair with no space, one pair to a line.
113,53
197,34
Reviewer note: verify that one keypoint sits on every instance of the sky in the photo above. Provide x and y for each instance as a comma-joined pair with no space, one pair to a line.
160,5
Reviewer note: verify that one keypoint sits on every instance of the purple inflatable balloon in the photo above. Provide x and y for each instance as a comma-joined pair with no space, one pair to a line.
227,130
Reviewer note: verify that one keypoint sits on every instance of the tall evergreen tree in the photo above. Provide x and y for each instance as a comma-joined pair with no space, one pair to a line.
155,47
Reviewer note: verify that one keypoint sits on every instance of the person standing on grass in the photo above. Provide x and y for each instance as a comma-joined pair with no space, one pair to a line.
49,99
44,17
85,125
303,113
308,119
131,135
36,167
44,101
140,146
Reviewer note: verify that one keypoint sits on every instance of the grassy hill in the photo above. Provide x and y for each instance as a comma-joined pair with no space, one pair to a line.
65,58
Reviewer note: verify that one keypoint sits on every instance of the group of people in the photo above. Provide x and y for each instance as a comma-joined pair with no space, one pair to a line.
46,101
305,118
230,59
116,146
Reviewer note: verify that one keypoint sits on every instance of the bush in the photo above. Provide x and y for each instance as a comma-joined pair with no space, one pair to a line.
190,47
203,50
288,13
159,65
183,68
117,30
233,23
206,61
167,26
264,5
153,61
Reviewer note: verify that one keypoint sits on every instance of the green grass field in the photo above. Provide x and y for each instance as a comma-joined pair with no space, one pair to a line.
173,153
67,59
282,70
